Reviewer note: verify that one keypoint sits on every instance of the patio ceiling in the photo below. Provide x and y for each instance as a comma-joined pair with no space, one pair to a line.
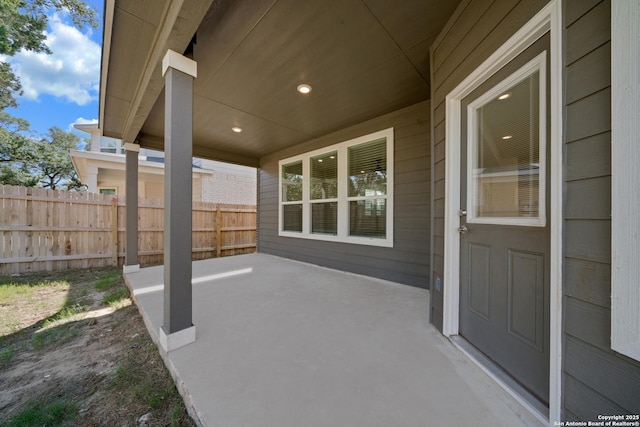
363,58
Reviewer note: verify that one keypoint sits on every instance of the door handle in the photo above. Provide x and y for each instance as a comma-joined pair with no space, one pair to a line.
463,229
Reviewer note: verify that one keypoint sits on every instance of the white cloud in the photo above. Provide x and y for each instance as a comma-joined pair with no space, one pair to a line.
71,72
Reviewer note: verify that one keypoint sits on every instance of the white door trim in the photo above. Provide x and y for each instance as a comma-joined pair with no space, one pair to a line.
549,19
625,153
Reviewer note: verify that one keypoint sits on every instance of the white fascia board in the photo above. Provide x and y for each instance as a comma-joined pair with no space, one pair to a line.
109,6
118,161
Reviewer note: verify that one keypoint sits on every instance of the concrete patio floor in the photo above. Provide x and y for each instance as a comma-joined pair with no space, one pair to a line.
282,343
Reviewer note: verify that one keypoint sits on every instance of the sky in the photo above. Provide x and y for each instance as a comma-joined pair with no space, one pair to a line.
61,89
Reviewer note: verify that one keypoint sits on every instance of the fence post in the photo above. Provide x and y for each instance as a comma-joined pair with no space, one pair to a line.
114,230
218,230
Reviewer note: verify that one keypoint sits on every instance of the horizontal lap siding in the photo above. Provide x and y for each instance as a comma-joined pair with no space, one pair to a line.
463,45
476,30
595,379
408,261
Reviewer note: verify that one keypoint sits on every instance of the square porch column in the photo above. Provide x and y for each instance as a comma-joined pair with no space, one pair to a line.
131,208
92,179
177,329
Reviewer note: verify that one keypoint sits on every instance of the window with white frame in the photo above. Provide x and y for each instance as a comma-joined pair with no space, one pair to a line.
108,191
342,193
111,145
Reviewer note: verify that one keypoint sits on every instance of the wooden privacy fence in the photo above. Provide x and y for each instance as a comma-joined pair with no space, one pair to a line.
47,230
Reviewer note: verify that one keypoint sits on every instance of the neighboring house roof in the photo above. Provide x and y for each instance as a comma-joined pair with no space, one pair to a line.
111,166
82,159
225,184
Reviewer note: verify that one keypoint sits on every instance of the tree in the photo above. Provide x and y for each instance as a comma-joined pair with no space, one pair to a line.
29,161
52,161
20,176
24,159
14,146
9,85
22,26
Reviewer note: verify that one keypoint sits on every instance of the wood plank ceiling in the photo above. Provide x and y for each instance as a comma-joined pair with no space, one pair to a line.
363,58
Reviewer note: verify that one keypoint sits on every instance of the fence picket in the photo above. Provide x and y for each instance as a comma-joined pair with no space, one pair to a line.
46,230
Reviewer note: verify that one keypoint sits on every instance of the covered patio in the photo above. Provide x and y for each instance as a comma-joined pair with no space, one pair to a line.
284,343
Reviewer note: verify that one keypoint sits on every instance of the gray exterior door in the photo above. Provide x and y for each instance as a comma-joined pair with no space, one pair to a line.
504,242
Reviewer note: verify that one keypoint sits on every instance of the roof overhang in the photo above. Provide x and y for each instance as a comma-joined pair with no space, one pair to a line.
137,34
363,58
84,160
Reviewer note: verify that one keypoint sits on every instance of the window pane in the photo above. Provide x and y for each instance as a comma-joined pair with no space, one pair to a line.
368,218
324,176
292,217
368,169
506,160
292,182
324,218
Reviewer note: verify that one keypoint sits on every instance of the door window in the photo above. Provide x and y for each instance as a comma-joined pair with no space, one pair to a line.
506,150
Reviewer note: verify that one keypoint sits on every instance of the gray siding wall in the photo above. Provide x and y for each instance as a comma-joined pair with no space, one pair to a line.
596,380
475,31
408,261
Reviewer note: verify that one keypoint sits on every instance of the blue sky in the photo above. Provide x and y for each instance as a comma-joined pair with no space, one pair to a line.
62,88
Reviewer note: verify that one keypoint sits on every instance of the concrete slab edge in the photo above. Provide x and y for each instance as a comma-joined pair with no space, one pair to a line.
180,385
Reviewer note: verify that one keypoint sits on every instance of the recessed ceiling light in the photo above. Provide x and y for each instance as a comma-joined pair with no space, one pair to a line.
236,129
504,96
507,137
304,88
320,160
332,157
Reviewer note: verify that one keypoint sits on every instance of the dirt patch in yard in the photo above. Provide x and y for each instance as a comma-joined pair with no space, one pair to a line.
75,351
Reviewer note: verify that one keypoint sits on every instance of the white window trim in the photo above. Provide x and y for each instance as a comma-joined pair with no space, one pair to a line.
343,201
539,63
625,180
548,19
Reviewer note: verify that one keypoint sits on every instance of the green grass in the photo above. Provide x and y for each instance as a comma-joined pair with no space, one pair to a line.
12,292
45,311
132,376
151,393
56,330
36,296
65,313
6,355
116,297
53,337
176,417
108,281
38,413
142,390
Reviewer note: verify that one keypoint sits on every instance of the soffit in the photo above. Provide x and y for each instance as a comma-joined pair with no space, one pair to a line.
137,35
363,58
